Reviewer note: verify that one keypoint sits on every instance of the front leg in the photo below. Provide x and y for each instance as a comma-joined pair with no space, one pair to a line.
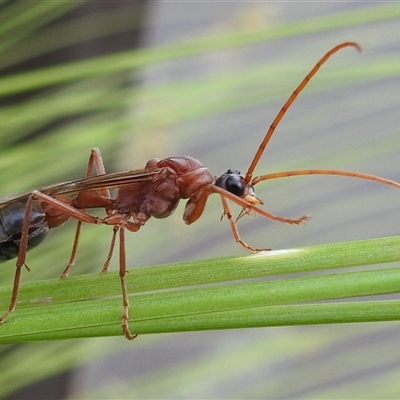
195,205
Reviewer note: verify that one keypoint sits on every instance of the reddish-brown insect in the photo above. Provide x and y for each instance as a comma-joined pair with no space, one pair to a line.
155,191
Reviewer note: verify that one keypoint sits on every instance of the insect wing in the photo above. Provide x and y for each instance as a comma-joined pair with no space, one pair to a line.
96,182
14,197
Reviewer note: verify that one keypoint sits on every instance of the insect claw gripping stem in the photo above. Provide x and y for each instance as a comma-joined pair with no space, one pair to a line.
125,300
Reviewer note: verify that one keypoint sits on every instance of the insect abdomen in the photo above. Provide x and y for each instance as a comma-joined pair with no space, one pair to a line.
11,221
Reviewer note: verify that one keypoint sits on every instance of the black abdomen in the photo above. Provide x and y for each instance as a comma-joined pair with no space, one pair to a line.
11,220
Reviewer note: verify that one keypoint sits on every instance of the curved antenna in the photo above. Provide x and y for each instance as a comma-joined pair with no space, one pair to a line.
350,174
290,100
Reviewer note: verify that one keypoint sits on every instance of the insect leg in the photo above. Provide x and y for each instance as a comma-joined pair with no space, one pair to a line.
228,214
66,210
111,249
247,207
95,160
23,248
122,272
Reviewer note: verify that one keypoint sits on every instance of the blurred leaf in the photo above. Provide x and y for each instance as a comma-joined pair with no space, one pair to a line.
98,106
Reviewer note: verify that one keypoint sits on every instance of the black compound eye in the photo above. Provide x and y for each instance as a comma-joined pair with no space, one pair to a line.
232,182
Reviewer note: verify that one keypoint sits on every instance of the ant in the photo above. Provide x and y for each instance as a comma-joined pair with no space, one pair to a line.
155,191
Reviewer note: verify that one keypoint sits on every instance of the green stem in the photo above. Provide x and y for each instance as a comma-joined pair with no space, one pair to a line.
81,306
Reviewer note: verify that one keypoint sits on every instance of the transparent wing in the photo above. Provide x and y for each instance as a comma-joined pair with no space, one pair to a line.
113,180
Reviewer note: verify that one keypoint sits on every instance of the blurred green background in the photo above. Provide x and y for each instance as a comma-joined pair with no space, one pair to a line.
143,80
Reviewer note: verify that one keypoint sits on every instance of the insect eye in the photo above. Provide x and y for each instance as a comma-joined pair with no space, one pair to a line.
231,181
